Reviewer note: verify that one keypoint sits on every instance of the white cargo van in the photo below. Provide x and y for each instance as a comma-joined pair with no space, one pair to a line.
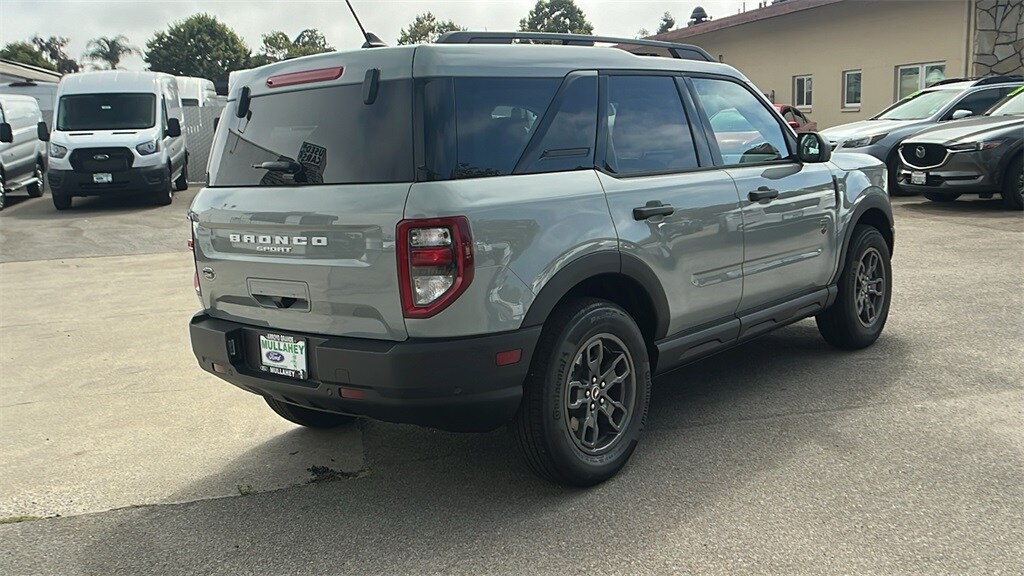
22,132
117,132
195,91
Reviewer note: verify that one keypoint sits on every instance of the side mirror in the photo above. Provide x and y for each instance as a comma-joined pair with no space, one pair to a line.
173,127
960,114
812,148
43,132
6,133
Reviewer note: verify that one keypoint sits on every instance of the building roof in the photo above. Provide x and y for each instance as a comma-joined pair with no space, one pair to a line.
779,8
26,72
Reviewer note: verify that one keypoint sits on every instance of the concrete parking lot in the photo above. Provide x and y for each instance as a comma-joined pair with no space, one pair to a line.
783,456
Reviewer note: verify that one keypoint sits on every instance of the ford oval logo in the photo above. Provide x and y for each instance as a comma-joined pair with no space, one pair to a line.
275,356
919,152
101,157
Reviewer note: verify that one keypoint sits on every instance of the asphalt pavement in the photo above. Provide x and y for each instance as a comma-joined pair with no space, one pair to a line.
782,456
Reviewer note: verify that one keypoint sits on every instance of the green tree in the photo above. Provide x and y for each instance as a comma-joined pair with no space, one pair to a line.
199,46
642,33
26,54
277,46
109,50
667,23
556,16
426,28
54,49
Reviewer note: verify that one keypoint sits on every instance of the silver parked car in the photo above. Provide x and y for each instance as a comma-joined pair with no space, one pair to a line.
23,136
952,99
473,233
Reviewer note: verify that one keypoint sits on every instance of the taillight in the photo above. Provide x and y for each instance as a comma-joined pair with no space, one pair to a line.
435,263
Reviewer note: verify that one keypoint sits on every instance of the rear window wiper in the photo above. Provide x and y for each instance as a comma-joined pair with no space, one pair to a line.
289,166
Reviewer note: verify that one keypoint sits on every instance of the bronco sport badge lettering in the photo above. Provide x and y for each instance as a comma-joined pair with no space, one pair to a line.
268,243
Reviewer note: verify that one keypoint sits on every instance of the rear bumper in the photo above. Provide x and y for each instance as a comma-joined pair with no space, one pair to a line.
132,181
450,384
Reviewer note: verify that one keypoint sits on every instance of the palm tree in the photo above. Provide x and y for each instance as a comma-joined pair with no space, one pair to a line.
110,50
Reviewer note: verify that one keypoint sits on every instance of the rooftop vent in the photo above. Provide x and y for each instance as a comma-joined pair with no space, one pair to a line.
698,16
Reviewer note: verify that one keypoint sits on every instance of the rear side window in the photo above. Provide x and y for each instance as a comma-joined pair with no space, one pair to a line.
478,127
567,143
648,130
319,136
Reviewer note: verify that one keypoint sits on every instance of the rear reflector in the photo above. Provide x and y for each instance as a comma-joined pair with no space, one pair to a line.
305,77
508,357
351,393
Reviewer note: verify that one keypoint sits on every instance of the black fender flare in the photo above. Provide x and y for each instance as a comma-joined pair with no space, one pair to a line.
873,202
596,264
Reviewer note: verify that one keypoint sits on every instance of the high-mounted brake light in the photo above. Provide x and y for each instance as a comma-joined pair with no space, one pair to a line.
305,77
435,263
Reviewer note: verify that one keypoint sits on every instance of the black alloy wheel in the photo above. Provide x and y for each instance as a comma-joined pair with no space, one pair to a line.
585,398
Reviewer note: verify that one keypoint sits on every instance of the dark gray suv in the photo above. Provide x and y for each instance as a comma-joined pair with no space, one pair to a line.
477,232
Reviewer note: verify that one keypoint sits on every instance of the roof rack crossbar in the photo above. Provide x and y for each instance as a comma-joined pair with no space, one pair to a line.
685,51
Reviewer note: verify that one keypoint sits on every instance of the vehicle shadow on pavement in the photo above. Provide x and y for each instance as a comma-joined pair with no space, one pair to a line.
968,205
426,494
42,208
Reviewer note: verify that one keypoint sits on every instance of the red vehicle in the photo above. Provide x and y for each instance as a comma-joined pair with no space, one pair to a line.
796,119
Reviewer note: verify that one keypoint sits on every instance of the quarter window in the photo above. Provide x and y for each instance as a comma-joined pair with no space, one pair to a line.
647,126
914,77
802,91
851,89
746,132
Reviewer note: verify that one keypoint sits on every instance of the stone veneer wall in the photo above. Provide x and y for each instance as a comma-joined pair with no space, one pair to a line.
999,37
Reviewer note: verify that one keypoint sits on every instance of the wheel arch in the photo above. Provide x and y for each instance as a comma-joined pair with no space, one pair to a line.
619,278
1007,162
873,211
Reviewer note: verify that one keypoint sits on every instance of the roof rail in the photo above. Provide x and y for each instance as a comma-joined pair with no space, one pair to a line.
951,81
685,51
998,80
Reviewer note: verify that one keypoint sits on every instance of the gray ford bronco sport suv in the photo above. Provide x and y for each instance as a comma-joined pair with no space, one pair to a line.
481,232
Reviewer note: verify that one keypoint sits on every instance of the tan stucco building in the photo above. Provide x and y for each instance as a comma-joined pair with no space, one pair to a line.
845,60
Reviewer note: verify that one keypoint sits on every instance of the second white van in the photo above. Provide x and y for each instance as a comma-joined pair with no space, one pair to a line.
117,132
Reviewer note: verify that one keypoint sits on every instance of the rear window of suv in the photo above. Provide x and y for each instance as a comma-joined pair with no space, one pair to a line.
319,136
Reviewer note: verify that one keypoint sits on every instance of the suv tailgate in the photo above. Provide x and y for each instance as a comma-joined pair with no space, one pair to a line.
264,261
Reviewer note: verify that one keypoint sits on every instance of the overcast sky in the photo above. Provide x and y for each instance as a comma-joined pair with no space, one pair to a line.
82,20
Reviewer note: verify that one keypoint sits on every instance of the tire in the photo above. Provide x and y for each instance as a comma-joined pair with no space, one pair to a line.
1013,185
307,417
166,196
60,201
36,190
547,425
182,182
857,317
941,196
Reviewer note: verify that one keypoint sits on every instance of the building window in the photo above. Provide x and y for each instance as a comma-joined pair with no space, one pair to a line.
910,79
802,91
851,89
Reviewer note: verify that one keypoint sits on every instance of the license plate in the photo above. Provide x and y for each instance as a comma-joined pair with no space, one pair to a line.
283,355
919,178
103,178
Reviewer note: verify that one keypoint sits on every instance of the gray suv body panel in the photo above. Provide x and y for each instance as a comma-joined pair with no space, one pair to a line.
719,268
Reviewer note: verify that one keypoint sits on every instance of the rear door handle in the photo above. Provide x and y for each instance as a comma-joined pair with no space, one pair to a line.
763,193
651,209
